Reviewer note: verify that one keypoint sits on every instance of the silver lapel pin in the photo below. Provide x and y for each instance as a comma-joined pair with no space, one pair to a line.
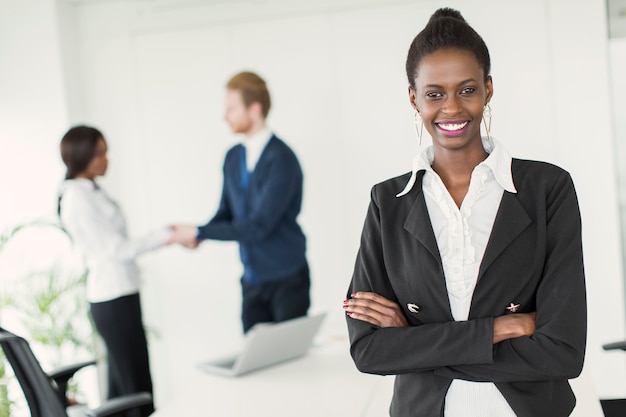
413,308
513,308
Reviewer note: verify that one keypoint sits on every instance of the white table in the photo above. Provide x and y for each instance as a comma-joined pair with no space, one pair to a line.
325,383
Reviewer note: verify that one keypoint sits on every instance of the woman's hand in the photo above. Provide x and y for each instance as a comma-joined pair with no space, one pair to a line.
184,235
374,309
514,325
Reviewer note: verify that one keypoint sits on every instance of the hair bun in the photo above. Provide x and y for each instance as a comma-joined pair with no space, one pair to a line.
447,12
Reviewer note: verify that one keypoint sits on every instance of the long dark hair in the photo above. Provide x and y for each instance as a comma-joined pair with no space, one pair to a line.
78,148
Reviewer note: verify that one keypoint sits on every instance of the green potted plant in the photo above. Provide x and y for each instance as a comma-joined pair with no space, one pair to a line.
46,301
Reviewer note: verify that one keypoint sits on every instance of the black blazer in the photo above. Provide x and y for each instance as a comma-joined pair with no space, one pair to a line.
533,258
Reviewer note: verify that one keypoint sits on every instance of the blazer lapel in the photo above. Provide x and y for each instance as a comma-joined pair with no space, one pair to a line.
418,224
510,221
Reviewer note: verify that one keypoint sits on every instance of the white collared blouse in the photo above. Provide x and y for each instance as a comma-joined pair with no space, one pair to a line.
462,234
98,230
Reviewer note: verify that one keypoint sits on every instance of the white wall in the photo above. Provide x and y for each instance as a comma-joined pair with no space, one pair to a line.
33,116
32,109
617,70
151,77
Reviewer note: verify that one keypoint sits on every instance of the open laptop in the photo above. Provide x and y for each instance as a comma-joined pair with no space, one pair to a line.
267,344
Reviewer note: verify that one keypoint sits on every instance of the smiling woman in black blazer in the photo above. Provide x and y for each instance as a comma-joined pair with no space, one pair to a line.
469,282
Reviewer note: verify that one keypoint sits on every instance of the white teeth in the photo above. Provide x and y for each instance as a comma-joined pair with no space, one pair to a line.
453,126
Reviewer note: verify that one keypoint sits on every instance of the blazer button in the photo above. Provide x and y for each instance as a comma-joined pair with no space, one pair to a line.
512,308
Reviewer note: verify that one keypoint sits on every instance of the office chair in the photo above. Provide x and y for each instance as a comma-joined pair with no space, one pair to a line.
614,407
45,393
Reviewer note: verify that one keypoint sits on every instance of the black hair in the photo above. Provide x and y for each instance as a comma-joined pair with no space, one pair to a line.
78,148
446,29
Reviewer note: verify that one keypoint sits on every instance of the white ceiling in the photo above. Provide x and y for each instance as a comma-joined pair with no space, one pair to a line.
616,9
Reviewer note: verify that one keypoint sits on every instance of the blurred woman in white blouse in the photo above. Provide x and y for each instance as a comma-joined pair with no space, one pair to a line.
98,229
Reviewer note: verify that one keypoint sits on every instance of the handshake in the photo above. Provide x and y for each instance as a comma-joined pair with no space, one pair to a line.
183,234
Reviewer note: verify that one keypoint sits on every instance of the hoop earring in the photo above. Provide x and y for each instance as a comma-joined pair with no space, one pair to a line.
419,127
487,120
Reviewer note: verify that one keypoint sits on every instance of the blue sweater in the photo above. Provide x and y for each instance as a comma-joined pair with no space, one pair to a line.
267,226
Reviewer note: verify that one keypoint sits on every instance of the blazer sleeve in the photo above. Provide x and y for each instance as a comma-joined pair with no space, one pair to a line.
284,180
557,348
410,349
